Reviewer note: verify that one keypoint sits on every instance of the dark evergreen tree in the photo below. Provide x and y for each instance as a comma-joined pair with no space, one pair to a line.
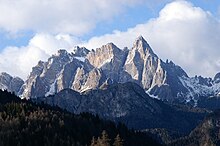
118,141
93,142
105,141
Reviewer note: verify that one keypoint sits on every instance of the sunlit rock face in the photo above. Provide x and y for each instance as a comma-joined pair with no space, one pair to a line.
84,69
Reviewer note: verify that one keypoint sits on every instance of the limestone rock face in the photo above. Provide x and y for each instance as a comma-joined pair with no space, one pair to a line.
94,79
43,78
82,69
103,55
79,79
143,65
12,84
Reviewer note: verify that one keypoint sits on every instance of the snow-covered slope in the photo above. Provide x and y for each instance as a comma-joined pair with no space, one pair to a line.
199,88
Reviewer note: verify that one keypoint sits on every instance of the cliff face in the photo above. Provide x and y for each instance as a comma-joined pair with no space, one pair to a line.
83,69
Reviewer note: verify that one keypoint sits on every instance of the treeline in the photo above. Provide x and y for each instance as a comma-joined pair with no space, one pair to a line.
23,123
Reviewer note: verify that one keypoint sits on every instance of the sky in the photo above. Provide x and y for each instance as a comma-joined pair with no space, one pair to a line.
184,31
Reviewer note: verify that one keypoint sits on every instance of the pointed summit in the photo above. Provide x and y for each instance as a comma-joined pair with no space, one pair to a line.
217,78
60,53
110,46
80,51
143,47
140,40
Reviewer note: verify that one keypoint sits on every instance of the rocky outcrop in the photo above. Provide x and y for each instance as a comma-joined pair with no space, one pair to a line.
12,84
51,76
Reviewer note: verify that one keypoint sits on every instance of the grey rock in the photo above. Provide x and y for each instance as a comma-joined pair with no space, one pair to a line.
217,78
12,84
80,51
45,75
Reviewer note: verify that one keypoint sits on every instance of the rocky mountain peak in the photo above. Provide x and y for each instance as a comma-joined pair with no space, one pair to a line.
111,47
61,55
5,80
61,52
217,78
139,39
5,75
143,47
103,55
80,51
40,63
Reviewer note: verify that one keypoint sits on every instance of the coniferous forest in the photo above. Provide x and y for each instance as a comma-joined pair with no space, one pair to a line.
24,123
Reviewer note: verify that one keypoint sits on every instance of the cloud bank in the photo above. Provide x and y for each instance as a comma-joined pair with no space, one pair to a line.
58,16
183,33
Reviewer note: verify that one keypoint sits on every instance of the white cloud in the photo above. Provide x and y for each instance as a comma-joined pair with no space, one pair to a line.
58,16
19,61
182,32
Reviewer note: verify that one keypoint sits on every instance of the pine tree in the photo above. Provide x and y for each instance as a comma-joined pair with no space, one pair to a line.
105,139
118,141
93,142
99,142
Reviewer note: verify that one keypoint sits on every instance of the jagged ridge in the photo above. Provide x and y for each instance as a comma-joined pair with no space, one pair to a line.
82,69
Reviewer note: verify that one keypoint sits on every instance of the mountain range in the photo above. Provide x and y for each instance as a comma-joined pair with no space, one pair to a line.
84,69
130,85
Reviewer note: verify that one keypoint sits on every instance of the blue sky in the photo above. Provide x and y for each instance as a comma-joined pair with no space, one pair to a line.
127,19
42,27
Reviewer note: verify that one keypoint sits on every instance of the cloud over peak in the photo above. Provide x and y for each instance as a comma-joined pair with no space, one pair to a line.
183,33
181,10
186,34
18,61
